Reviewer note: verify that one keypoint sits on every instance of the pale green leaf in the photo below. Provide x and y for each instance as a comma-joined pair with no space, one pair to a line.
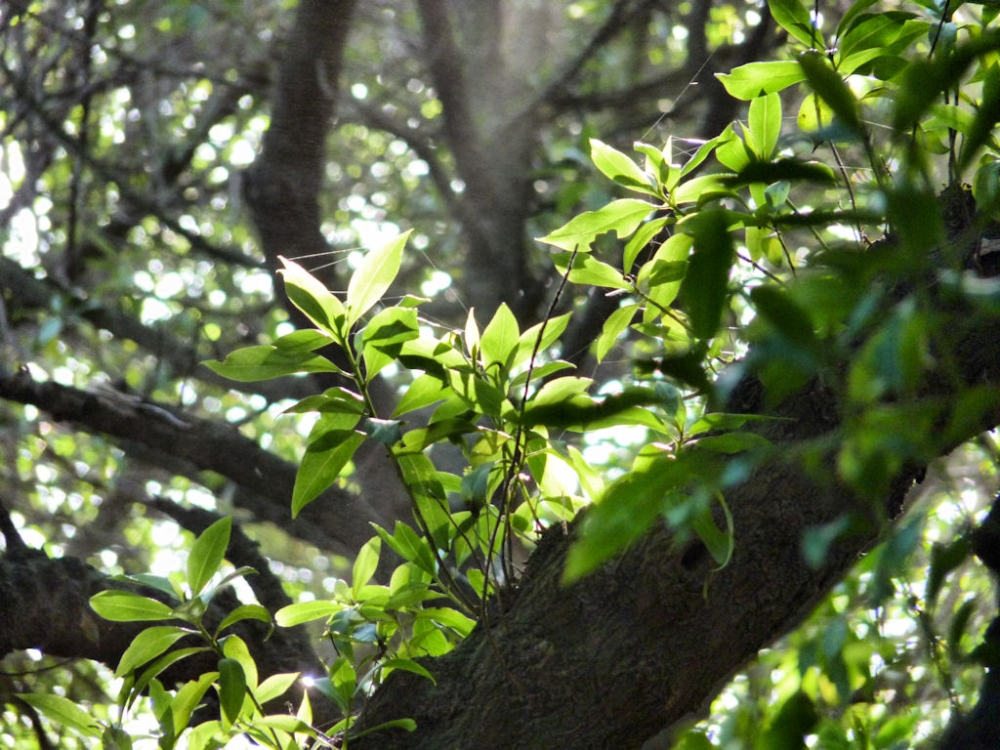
764,125
757,78
126,606
621,169
621,217
207,554
499,339
300,612
365,564
62,712
148,645
373,277
274,686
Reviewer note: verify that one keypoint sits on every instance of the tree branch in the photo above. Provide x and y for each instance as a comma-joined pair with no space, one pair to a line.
336,521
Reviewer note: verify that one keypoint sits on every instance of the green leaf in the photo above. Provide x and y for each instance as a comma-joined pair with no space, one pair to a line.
307,340
830,87
245,612
187,699
705,287
589,271
207,554
391,327
343,681
640,240
621,169
232,688
321,465
795,720
252,364
125,606
332,401
148,645
764,124
627,510
499,340
408,545
758,78
424,391
365,564
449,618
407,665
115,738
300,612
275,686
541,336
373,277
613,327
945,558
62,712
814,114
794,18
318,304
621,217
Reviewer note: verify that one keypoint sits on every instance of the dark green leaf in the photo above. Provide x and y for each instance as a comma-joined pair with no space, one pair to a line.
232,688
705,287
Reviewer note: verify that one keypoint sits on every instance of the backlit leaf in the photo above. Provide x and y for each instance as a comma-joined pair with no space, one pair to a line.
373,277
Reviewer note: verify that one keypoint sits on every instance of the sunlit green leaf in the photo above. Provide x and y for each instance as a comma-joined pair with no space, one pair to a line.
365,564
317,302
300,612
245,612
621,217
252,364
321,465
499,339
62,712
621,168
758,78
125,606
275,686
373,277
764,125
207,554
148,645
